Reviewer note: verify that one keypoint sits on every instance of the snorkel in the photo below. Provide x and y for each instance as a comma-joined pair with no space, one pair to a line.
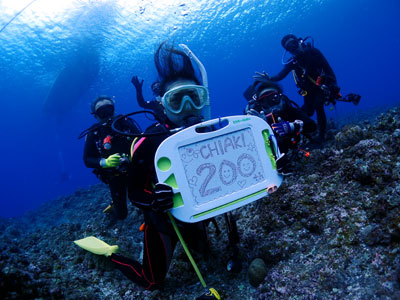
192,56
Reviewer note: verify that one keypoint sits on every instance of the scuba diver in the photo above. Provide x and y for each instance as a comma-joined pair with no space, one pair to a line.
183,97
155,104
289,123
313,76
107,153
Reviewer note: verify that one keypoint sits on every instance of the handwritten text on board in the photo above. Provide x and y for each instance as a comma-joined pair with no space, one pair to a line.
222,165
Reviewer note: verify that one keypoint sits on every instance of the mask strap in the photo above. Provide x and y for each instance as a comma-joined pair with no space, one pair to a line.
267,95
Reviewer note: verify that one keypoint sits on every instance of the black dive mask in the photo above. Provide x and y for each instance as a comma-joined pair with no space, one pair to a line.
270,99
105,111
292,45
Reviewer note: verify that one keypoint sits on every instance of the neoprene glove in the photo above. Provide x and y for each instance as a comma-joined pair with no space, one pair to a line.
111,162
285,128
138,84
262,76
253,112
162,197
325,89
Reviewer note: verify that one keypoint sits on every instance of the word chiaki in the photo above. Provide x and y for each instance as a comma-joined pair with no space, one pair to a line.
222,146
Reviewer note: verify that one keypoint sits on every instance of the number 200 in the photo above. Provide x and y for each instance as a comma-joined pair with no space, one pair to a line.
239,167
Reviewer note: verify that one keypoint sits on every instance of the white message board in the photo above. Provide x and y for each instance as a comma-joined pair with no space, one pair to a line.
217,171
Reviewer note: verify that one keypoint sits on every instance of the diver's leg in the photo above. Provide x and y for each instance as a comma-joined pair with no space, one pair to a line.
195,236
308,106
234,264
158,251
131,269
118,188
321,116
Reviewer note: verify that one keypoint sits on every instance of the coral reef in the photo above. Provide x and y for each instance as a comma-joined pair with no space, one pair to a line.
331,231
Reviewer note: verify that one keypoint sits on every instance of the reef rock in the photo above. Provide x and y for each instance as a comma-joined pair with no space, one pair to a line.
349,136
257,272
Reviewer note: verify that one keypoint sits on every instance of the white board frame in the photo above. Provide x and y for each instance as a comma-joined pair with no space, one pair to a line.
170,167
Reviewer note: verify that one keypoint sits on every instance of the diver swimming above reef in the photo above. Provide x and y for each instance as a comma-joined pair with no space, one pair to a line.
313,76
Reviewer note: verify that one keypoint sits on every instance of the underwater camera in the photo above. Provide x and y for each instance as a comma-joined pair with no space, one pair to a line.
353,98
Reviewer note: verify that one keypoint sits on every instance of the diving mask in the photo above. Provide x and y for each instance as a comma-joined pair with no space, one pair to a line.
105,111
292,45
269,99
175,99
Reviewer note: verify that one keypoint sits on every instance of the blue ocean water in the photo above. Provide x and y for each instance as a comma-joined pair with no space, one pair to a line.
40,155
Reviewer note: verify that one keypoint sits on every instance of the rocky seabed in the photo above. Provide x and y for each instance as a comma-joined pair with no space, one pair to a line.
331,231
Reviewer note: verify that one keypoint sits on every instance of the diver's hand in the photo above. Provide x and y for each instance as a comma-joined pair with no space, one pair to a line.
138,84
283,128
162,197
325,89
262,76
111,162
260,114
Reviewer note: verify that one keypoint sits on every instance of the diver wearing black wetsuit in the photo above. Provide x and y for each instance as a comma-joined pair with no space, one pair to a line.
102,143
155,104
292,114
183,99
313,75
159,237
267,101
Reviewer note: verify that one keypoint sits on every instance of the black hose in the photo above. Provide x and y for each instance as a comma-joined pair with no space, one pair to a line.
142,134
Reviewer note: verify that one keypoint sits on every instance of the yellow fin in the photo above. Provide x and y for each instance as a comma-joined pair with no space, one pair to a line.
108,209
96,246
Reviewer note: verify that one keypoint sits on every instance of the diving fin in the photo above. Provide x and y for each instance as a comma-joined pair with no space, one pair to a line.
96,246
211,293
108,209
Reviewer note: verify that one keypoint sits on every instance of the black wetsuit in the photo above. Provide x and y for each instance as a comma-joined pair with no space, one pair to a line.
308,65
94,151
290,113
159,236
154,105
